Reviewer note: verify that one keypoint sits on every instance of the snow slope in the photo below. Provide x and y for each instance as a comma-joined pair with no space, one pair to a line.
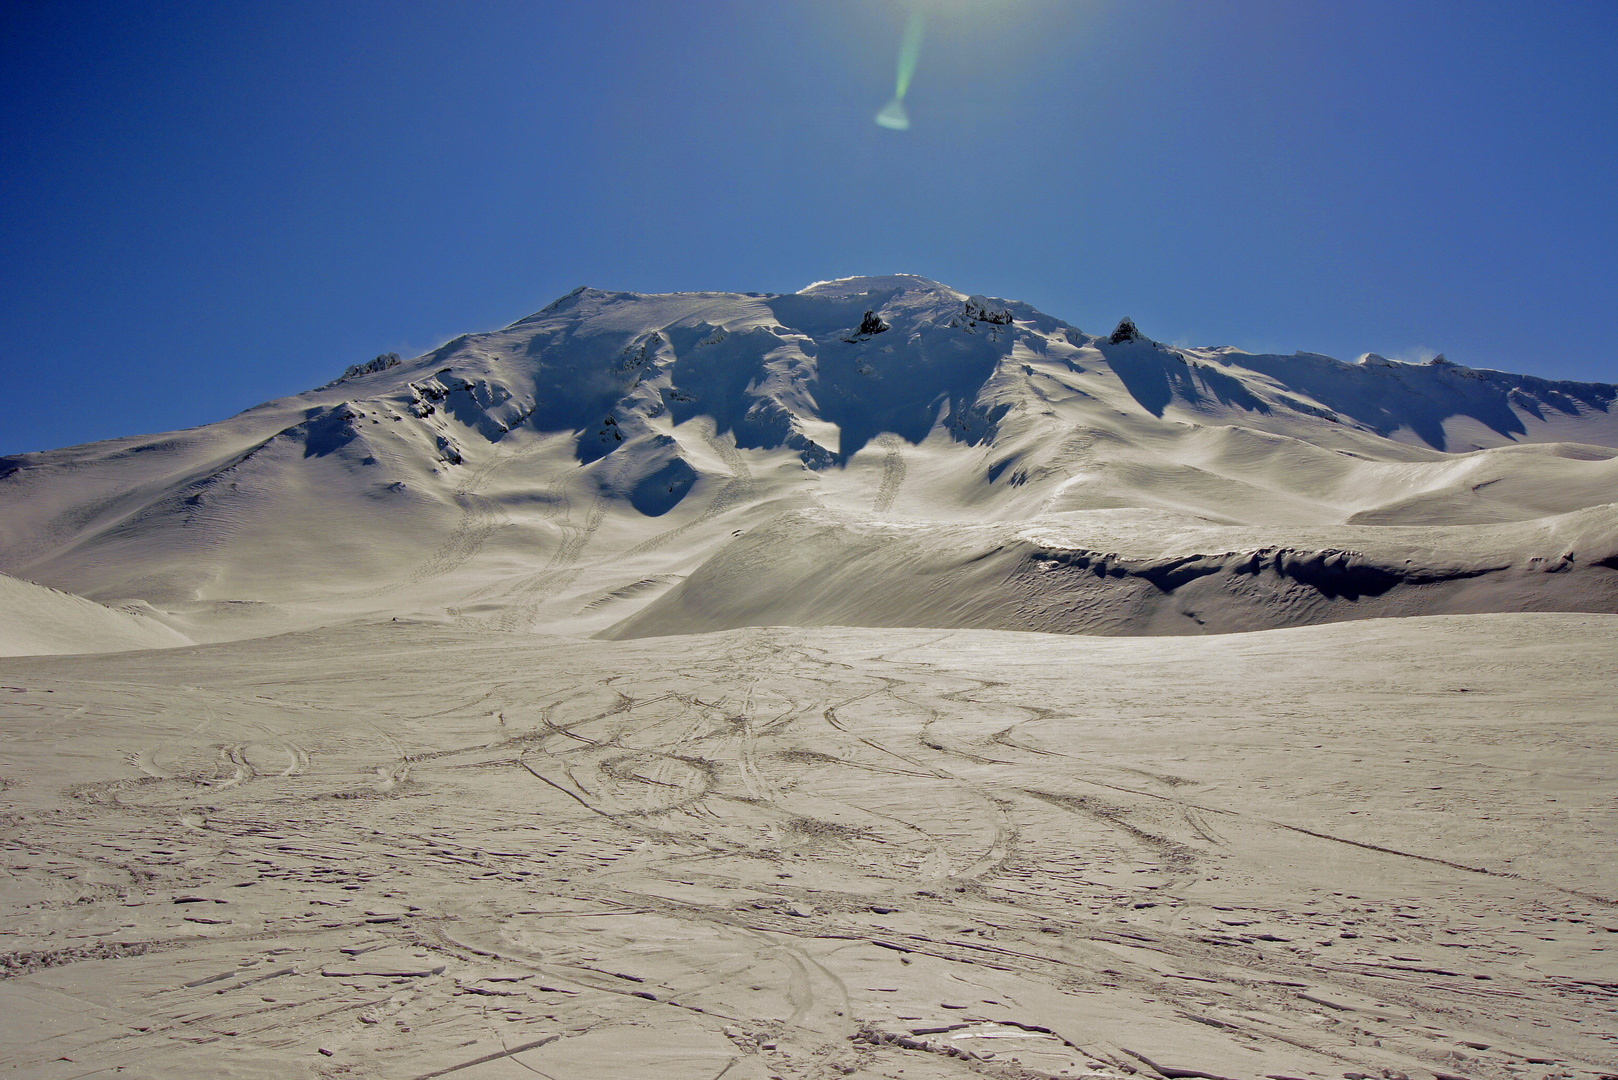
571,469
1133,572
408,850
382,831
36,621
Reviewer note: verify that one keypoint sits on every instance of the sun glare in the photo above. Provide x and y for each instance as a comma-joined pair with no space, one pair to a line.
893,114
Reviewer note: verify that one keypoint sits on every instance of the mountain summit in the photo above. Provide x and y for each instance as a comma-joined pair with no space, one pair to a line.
662,462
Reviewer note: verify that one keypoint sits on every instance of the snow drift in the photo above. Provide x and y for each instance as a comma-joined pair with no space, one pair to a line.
37,621
1129,573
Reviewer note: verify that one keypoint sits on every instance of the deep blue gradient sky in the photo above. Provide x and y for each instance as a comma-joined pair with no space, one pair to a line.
205,205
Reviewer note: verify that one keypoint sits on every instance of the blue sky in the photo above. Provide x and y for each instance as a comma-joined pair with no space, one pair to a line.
204,205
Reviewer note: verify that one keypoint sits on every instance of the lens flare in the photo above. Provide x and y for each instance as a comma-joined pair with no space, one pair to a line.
893,115
909,50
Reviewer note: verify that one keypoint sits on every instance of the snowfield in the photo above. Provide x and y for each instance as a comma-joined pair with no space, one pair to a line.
864,679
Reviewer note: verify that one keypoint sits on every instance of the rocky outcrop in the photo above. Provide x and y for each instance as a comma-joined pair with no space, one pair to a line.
871,324
1126,331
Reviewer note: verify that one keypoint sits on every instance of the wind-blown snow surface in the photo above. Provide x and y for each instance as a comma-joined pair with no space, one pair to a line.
772,791
405,849
37,621
568,471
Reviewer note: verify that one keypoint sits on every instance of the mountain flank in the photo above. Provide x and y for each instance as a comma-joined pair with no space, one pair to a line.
867,451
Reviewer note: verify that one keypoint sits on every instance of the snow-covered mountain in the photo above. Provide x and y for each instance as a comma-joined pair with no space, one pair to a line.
869,451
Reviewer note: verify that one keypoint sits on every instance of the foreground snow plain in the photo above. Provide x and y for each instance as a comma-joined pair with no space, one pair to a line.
655,687
421,850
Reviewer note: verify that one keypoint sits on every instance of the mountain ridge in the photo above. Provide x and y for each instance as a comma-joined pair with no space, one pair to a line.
529,475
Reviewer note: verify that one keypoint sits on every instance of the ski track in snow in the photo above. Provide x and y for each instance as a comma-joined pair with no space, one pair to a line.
527,599
893,472
796,846
523,602
480,518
